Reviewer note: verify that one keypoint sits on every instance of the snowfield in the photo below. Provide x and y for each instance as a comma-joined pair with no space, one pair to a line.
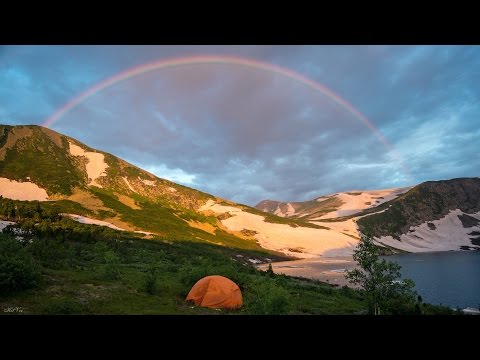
290,211
148,182
128,184
90,221
449,234
25,191
96,165
355,201
87,220
300,242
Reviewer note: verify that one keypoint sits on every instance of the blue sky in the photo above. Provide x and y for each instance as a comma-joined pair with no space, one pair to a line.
248,135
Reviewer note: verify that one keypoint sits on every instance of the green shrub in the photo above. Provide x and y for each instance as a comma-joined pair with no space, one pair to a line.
17,273
189,275
267,298
49,253
63,307
111,269
99,251
74,260
150,280
18,270
8,245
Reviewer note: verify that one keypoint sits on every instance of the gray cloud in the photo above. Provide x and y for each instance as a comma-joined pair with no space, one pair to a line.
246,134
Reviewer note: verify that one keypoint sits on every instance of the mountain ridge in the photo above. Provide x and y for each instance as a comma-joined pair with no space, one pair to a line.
438,215
96,187
107,189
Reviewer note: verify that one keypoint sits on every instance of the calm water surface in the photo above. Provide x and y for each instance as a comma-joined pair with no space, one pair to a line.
447,278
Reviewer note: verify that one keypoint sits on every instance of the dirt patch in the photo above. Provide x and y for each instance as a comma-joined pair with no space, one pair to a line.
13,136
127,201
54,136
121,224
207,212
296,250
240,234
88,200
247,232
352,236
209,228
224,216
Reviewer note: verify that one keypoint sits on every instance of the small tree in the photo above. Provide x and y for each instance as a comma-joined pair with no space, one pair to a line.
150,280
379,278
270,270
111,269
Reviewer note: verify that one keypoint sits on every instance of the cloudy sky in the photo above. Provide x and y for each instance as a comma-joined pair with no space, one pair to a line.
248,134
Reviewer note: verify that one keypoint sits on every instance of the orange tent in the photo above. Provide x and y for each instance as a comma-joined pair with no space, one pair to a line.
216,292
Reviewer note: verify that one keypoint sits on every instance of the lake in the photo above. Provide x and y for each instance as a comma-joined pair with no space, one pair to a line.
447,278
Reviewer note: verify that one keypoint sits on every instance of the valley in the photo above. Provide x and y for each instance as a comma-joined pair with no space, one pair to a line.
55,187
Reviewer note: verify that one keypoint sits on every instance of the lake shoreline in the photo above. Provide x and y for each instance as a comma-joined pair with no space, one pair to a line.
330,270
445,283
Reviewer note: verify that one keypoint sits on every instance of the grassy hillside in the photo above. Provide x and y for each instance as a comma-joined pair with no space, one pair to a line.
92,271
63,267
110,277
29,152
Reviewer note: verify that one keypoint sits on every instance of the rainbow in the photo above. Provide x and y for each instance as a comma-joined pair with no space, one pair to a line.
215,59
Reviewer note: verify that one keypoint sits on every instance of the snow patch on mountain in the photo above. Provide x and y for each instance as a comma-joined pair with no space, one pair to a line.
25,191
148,182
300,242
96,165
128,183
355,201
86,220
447,233
289,212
